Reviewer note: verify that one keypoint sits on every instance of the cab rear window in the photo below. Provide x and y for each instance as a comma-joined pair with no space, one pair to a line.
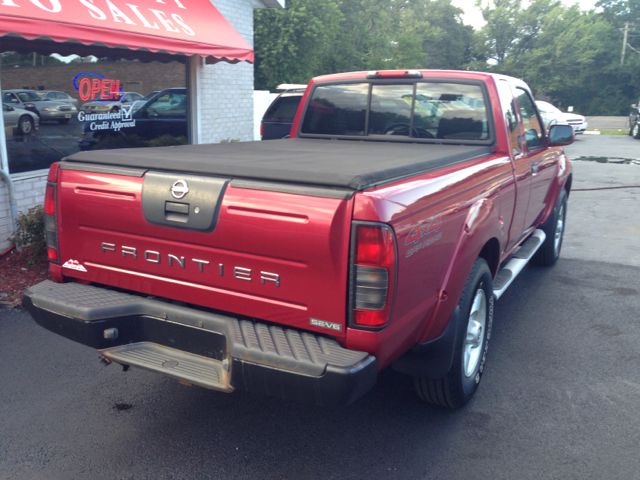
424,110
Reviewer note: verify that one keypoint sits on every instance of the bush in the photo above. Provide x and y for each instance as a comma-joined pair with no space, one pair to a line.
167,140
30,231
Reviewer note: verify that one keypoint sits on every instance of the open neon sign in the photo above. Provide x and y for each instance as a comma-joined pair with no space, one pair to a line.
94,87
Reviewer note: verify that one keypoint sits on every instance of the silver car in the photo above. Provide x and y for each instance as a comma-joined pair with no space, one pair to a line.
57,96
99,106
45,109
22,120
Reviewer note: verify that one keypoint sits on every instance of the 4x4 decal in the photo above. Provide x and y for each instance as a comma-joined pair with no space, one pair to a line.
429,229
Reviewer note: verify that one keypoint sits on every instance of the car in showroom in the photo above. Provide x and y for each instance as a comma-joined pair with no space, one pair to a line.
24,121
138,103
278,119
47,110
58,96
104,106
552,115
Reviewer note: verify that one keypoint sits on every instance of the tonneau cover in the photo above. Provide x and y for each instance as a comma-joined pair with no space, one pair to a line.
348,164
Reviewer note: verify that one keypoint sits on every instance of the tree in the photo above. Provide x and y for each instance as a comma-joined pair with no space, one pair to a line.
292,44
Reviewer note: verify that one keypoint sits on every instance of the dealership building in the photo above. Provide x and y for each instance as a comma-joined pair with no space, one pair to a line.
116,74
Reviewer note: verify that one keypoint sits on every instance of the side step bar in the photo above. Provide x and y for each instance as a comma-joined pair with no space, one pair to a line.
518,261
173,363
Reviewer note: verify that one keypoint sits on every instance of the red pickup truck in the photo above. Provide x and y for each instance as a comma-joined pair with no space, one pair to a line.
380,234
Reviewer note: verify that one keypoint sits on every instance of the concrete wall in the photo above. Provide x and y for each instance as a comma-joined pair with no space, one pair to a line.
29,188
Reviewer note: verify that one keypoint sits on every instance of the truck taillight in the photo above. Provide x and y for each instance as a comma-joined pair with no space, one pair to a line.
50,223
374,274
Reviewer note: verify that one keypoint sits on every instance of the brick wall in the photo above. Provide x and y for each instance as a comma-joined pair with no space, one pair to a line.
226,91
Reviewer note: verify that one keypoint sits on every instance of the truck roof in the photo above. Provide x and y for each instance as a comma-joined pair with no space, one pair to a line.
348,164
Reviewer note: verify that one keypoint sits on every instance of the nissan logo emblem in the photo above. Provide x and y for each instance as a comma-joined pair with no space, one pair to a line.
179,189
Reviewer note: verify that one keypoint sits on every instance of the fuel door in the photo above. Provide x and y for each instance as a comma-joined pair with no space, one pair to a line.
187,202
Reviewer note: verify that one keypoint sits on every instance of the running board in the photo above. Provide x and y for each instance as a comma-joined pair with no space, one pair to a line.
518,261
179,365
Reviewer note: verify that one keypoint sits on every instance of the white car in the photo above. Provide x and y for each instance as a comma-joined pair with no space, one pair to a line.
552,115
23,120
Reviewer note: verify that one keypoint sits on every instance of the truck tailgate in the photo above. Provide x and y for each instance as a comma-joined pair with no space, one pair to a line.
275,256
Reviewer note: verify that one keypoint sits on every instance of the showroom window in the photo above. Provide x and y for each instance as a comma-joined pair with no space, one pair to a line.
55,106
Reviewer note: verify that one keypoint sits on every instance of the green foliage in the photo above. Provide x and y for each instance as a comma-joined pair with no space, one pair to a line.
167,140
30,231
316,37
568,56
292,44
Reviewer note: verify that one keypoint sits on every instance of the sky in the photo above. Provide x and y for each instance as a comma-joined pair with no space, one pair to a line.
472,15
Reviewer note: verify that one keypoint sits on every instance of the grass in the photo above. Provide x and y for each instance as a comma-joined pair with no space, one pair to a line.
610,132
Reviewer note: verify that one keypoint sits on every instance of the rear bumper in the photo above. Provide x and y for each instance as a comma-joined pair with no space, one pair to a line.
246,355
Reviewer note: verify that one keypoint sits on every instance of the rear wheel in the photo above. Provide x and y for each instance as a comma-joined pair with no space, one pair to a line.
25,125
472,342
553,228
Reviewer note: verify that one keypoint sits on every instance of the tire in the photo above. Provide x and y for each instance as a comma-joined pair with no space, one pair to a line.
635,131
548,254
115,109
25,125
472,342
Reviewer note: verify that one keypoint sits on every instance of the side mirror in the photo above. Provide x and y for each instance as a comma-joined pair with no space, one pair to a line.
560,135
14,100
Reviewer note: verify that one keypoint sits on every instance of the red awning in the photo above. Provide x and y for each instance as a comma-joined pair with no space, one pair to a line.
185,27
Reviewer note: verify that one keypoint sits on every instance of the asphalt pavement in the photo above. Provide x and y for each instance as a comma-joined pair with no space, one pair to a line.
560,397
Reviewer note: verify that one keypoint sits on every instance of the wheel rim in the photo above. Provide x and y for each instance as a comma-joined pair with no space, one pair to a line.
472,349
25,126
557,241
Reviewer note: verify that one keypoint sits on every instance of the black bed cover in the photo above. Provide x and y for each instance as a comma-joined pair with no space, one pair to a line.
348,164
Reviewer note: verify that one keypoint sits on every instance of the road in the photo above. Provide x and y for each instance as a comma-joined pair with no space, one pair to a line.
560,397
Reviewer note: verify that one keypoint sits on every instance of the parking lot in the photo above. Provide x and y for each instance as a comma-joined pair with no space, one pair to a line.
50,143
560,397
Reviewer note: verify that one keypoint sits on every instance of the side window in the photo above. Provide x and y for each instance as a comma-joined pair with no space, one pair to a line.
169,105
7,97
533,130
510,117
